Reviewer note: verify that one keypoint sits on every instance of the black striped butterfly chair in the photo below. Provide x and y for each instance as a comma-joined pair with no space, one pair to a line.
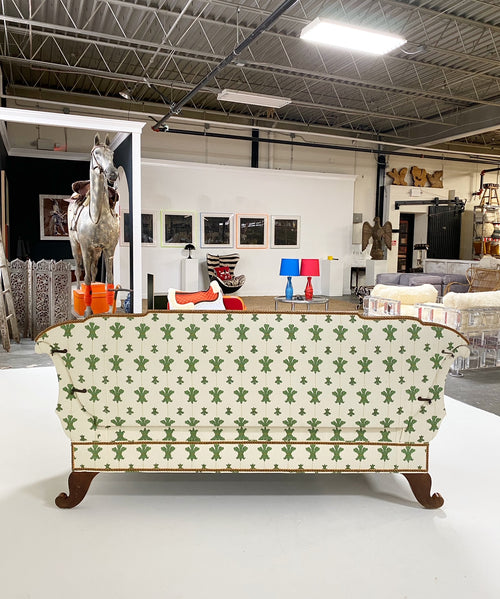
221,269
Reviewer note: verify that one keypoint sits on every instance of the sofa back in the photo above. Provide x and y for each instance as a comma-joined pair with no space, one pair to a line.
411,279
245,375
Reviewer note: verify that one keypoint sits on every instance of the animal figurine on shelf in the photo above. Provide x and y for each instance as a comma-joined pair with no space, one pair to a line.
398,178
93,223
436,179
419,176
380,234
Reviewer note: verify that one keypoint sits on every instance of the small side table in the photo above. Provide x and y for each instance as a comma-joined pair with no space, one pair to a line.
300,299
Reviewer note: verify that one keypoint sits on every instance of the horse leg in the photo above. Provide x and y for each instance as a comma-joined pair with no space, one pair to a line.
108,261
76,250
88,258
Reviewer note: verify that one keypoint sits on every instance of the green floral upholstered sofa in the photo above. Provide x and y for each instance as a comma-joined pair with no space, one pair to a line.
250,392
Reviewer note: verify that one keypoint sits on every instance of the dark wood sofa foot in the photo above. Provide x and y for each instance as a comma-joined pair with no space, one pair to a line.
420,483
78,484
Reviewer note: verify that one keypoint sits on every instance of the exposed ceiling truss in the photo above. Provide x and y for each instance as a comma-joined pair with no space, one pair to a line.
441,88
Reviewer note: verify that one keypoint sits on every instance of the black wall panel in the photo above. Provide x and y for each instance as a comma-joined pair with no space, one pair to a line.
27,179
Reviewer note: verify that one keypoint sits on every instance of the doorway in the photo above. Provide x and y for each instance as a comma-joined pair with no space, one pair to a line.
405,247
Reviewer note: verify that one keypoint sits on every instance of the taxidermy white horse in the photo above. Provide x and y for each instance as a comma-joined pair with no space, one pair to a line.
93,224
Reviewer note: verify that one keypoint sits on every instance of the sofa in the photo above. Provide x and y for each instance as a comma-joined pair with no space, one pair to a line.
227,391
439,280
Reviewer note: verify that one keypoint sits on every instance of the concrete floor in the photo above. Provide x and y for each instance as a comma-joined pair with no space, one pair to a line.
184,536
478,388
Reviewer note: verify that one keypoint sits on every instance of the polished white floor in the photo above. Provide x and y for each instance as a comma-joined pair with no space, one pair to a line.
242,537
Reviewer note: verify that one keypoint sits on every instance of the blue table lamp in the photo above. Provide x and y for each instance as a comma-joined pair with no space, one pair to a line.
289,268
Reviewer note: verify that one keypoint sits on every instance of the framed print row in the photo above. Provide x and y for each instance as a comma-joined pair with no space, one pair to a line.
217,230
251,230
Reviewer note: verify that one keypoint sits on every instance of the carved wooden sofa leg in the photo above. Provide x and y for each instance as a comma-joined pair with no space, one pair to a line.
78,483
420,483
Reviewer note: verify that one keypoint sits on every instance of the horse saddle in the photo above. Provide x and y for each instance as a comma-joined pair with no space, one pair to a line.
81,190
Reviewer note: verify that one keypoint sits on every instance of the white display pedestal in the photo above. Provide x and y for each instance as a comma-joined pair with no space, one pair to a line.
373,268
332,277
189,274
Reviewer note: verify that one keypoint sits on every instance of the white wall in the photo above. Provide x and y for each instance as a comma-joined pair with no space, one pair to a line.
323,201
461,177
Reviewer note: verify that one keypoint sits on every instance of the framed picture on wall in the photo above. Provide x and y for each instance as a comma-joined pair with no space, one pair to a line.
216,229
252,231
285,231
53,217
177,229
148,228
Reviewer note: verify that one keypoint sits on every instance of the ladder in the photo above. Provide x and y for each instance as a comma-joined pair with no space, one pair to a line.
7,312
490,195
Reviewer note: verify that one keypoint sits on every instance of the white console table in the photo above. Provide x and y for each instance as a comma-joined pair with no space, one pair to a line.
448,267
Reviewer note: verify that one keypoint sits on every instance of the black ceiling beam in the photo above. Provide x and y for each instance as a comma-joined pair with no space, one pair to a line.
325,146
175,108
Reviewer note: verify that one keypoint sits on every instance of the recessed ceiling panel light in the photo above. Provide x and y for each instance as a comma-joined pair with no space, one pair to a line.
324,31
231,95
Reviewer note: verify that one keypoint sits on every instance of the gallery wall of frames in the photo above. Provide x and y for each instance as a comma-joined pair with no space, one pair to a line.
263,215
215,230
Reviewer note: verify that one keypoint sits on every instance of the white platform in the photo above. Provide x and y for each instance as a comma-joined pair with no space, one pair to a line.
373,268
189,274
157,536
332,277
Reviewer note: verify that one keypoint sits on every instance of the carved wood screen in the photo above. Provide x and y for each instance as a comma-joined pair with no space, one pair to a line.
42,294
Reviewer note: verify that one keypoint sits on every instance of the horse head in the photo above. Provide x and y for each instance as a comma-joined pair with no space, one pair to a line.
101,158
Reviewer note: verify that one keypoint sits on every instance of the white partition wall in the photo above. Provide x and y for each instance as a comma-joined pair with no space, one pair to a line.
121,128
323,202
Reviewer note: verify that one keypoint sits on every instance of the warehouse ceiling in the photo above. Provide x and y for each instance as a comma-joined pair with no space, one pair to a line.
440,89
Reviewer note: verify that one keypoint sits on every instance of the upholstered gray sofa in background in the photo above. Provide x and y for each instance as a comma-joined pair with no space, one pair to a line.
438,280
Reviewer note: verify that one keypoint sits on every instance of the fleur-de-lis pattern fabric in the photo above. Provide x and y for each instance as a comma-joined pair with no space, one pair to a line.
227,391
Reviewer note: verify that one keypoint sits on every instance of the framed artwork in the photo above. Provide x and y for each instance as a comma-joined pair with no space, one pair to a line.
252,231
148,229
216,229
177,229
53,217
285,231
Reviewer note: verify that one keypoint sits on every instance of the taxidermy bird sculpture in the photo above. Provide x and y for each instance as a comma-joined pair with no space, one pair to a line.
381,235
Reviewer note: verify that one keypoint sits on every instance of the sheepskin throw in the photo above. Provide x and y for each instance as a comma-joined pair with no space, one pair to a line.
481,299
406,295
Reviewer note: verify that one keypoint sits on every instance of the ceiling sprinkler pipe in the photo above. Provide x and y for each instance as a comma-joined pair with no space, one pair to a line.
175,108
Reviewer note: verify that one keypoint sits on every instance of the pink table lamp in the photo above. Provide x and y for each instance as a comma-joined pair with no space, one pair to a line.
309,267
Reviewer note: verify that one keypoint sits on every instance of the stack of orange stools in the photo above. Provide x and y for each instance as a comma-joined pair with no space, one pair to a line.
99,296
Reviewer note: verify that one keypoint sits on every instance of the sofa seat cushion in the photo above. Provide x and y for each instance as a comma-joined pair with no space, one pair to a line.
461,283
416,279
388,278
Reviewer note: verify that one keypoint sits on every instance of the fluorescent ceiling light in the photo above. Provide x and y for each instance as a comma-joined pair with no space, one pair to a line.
231,95
324,31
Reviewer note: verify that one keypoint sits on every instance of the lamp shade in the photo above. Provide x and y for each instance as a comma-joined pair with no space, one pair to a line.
289,267
309,267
